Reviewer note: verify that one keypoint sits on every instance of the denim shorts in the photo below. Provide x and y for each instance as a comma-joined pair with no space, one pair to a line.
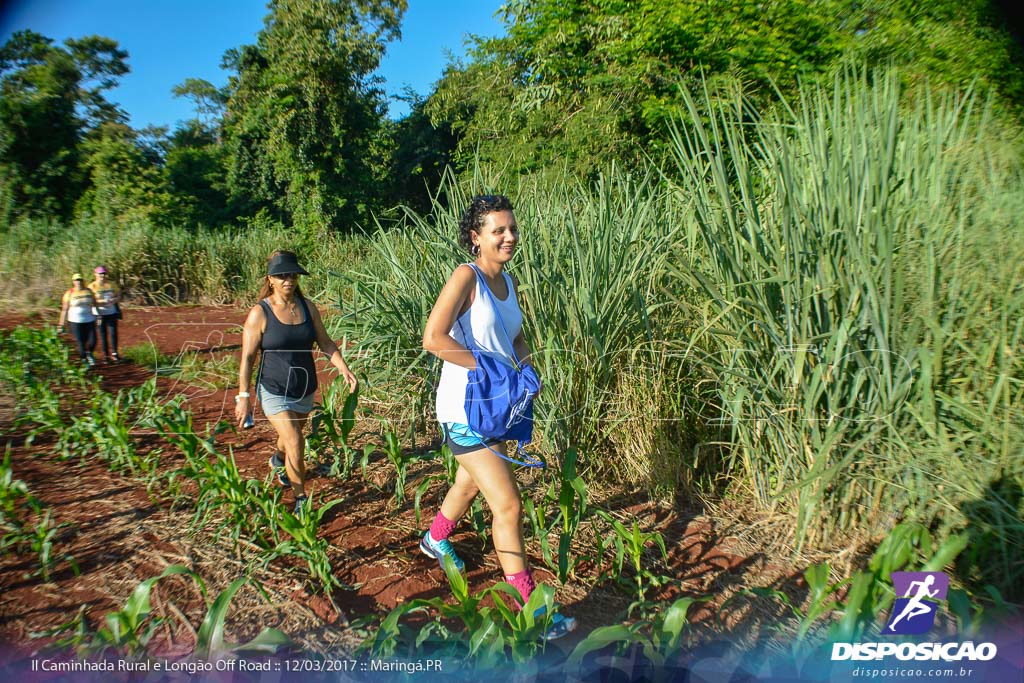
461,439
273,404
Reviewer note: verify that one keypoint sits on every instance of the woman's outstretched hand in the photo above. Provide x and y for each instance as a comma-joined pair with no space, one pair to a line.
241,411
350,378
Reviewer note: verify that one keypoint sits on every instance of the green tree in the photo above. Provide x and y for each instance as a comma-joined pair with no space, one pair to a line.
304,117
955,42
194,170
39,129
580,81
195,163
420,153
124,175
100,64
209,100
50,98
575,83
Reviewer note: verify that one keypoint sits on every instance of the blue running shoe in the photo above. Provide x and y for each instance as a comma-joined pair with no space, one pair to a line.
440,550
561,625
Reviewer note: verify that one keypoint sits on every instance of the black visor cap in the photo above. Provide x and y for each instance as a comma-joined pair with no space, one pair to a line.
282,264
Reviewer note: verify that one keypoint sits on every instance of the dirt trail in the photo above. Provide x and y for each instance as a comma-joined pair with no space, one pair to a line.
118,537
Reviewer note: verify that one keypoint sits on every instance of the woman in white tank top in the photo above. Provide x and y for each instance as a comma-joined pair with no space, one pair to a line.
490,232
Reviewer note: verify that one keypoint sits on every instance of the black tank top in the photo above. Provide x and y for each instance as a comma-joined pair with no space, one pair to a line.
286,364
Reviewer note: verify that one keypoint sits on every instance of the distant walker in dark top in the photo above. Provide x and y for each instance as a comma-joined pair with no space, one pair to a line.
283,326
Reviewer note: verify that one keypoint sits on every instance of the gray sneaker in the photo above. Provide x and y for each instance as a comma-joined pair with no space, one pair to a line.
277,465
302,506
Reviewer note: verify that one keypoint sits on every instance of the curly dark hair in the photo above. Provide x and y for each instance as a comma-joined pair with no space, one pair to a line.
478,209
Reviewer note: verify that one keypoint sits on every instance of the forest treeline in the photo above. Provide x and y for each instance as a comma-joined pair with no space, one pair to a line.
300,135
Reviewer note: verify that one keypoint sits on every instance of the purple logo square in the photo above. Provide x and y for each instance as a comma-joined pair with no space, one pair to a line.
917,598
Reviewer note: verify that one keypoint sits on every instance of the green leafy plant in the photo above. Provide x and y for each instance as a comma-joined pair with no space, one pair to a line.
32,359
860,599
450,464
210,637
632,543
110,434
43,415
331,427
15,502
128,631
658,639
539,524
570,501
41,539
870,592
400,460
304,543
17,506
240,503
174,424
572,504
469,631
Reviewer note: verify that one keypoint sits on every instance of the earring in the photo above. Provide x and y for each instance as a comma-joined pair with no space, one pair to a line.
475,250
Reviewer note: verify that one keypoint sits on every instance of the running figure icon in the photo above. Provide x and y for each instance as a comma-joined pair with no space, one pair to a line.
916,606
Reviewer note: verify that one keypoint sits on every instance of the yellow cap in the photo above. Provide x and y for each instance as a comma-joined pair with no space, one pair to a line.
76,276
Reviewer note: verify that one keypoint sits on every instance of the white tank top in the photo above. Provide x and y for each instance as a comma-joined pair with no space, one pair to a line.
81,305
480,323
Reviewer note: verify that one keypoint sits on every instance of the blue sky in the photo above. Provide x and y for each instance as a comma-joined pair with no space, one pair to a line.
169,41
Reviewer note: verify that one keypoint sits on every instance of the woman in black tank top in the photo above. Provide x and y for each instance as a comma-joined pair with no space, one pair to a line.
284,327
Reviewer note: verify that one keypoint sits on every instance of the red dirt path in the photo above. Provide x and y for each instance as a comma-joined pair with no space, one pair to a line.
376,539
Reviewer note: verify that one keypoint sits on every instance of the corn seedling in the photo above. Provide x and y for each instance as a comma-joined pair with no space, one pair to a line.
859,601
238,501
572,504
451,466
128,631
14,498
44,415
304,543
210,639
110,434
468,631
331,427
32,359
870,592
40,540
659,640
632,543
18,532
539,525
401,461
125,632
174,424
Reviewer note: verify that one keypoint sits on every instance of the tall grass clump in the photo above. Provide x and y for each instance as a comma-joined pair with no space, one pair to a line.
155,265
160,265
862,271
591,266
